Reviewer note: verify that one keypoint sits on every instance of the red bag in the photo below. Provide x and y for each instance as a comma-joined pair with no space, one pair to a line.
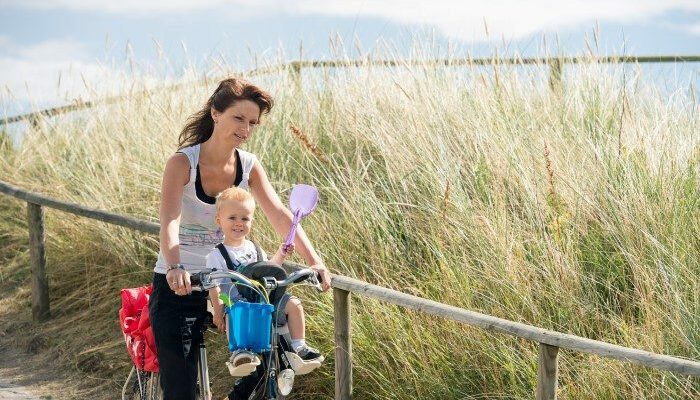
136,327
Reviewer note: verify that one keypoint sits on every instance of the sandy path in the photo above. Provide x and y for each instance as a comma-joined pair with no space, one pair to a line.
9,391
21,380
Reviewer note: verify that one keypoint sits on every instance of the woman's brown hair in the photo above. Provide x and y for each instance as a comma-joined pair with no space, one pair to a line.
200,125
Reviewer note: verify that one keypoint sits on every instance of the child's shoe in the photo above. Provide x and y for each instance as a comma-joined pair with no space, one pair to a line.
242,363
309,354
285,381
305,359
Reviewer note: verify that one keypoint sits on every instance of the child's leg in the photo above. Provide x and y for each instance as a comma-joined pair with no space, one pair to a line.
295,318
306,358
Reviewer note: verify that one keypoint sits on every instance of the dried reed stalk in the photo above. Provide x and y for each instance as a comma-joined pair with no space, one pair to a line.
307,143
445,200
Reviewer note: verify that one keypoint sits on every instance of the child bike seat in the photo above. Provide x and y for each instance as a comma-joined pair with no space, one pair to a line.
259,270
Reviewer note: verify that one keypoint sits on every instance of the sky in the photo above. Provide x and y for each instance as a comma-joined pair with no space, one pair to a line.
54,51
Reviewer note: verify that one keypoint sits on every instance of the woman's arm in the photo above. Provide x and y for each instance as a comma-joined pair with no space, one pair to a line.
281,220
175,177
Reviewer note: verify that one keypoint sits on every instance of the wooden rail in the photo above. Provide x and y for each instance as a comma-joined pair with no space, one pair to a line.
449,62
556,67
549,341
33,118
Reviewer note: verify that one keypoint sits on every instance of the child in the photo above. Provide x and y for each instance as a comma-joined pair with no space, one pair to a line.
234,215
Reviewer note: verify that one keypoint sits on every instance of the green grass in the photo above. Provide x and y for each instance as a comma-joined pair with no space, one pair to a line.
576,211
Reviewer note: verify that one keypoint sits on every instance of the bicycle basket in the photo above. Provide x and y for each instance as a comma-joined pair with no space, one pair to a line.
249,326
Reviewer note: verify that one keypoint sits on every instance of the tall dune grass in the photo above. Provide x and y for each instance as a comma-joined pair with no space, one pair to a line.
576,210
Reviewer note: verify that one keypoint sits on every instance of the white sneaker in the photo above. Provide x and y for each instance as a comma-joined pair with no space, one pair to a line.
301,366
285,381
242,363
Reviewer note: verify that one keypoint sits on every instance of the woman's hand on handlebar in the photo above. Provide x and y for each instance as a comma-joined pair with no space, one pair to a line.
325,276
179,281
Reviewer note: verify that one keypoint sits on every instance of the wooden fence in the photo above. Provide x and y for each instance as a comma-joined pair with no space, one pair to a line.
549,341
556,68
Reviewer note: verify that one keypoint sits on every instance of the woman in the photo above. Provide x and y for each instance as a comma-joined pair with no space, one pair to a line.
207,162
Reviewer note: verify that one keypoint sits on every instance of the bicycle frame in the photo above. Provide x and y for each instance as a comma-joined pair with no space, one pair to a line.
204,387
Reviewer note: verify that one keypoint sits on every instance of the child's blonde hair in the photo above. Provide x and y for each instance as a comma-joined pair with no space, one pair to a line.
235,194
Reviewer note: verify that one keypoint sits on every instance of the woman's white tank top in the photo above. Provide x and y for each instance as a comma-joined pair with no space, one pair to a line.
198,230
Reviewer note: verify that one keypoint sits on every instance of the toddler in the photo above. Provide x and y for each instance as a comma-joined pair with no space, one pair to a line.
234,215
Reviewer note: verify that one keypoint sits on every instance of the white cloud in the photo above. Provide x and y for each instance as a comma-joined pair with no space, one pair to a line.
512,19
694,29
463,20
55,70
52,73
115,7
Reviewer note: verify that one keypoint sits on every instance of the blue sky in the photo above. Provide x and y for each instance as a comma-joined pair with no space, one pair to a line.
88,41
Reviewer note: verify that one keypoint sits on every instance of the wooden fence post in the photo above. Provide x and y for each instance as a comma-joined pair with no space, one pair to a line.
34,121
547,369
556,67
40,283
343,344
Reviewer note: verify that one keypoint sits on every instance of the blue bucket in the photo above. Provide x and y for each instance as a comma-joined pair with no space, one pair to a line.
249,326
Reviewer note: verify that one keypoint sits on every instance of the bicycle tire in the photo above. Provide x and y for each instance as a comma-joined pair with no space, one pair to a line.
255,386
142,385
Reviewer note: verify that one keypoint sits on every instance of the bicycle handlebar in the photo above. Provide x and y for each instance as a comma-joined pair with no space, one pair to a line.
204,279
305,274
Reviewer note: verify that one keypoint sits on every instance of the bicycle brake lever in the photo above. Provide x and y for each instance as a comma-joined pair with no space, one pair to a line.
201,282
314,282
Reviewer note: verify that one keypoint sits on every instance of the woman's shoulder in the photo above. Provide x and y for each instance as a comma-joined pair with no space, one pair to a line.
177,169
191,152
185,157
179,158
246,156
189,149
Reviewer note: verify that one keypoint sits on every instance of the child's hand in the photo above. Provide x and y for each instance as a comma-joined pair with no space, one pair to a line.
287,250
282,253
219,318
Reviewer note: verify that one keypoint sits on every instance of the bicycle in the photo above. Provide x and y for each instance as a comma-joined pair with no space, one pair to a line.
265,282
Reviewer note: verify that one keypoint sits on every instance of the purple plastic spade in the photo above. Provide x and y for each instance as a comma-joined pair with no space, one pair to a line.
302,202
